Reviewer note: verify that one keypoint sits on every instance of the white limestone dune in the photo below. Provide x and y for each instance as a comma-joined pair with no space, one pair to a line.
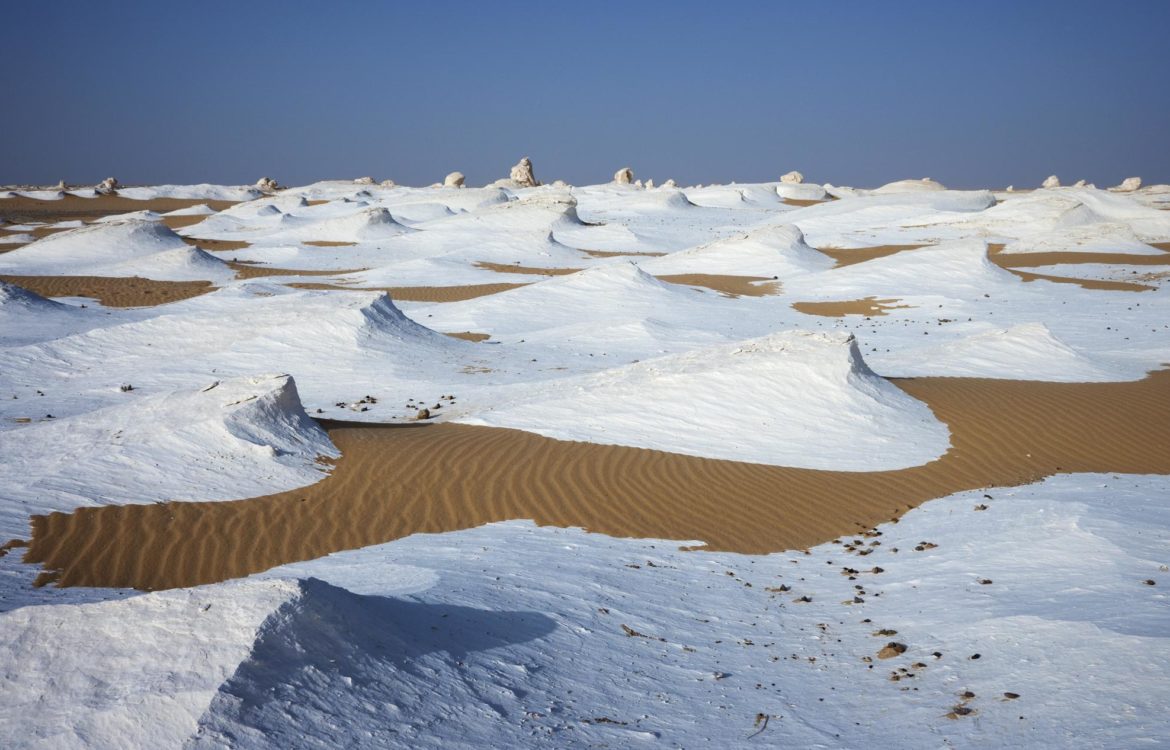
789,399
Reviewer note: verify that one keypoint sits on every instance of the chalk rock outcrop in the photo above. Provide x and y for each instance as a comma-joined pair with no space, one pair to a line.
792,178
670,184
1128,185
1052,182
388,183
266,183
455,179
649,183
108,185
522,174
365,181
623,176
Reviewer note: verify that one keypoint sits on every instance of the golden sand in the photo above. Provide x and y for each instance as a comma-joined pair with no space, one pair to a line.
393,481
256,271
617,254
726,284
72,207
112,291
862,254
871,306
421,293
536,271
470,336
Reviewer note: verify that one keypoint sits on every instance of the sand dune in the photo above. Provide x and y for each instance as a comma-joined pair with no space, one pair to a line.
397,480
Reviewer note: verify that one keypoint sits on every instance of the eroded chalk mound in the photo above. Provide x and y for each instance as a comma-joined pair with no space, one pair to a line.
134,247
788,399
1027,351
325,640
137,671
232,438
778,250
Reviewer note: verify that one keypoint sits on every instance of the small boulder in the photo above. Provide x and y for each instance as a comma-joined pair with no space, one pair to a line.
623,176
455,180
1052,182
792,178
423,414
108,185
266,183
387,183
365,181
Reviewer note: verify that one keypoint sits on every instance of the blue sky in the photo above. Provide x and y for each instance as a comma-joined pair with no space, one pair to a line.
860,93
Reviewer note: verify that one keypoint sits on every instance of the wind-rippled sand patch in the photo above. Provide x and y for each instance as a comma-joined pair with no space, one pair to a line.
1014,262
726,284
871,306
534,270
620,254
113,291
246,271
72,207
393,481
418,293
851,256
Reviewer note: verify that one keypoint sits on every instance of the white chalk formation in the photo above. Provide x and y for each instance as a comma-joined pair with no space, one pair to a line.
623,176
109,185
388,183
455,180
267,184
1128,185
1052,182
365,181
522,174
792,178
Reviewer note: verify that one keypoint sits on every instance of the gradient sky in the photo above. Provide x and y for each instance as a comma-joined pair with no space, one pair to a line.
983,93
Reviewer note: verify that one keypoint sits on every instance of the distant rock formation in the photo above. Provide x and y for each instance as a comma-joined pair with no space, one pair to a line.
623,176
266,183
792,178
670,184
387,183
522,174
1128,185
62,186
1052,182
455,179
365,181
649,183
1080,183
108,185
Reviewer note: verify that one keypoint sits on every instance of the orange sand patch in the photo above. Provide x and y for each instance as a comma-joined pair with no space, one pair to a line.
616,254
862,254
506,268
112,291
836,309
727,285
470,336
421,293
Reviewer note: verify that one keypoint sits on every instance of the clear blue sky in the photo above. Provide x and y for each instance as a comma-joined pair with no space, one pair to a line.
973,94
